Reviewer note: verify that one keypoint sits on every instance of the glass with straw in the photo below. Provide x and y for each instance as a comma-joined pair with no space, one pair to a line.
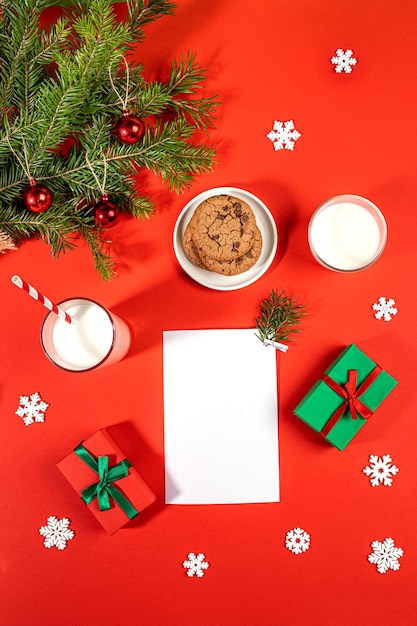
79,334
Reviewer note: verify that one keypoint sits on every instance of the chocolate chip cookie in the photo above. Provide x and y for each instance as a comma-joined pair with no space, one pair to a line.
223,228
190,248
217,219
240,264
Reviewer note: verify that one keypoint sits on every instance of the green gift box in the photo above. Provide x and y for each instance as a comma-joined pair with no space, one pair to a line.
351,390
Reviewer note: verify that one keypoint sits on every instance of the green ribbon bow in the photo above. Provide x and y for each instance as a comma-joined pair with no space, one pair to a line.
104,489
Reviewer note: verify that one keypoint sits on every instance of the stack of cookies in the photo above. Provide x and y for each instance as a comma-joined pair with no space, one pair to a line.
222,236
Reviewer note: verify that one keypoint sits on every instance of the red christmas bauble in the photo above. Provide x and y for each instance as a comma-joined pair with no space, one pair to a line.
37,197
129,128
106,212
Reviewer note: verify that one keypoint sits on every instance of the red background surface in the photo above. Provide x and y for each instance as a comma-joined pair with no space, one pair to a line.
266,61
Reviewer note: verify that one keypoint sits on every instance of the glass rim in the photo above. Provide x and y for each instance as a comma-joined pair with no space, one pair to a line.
371,208
84,369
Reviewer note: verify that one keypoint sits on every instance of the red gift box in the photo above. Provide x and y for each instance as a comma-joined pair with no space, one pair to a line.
101,451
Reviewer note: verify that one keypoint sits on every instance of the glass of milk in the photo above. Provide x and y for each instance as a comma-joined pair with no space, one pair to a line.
95,337
347,233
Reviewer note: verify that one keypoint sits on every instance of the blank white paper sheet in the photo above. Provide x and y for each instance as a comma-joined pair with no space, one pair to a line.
220,418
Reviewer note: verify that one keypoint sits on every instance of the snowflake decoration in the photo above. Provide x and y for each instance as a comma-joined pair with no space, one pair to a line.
32,409
381,470
284,135
385,309
297,540
385,555
57,532
343,61
195,564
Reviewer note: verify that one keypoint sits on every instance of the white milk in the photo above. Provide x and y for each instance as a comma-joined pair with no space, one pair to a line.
345,236
85,342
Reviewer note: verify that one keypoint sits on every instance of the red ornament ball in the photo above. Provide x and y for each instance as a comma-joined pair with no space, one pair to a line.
37,198
106,212
129,128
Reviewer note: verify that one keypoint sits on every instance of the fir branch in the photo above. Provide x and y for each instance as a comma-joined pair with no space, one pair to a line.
55,89
153,99
278,317
51,41
141,206
165,151
80,74
21,19
185,75
103,262
56,231
142,12
186,78
98,37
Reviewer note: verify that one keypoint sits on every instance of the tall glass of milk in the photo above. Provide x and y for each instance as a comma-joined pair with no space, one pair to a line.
347,233
94,338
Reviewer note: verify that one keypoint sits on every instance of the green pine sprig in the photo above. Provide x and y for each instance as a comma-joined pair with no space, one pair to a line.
60,96
279,316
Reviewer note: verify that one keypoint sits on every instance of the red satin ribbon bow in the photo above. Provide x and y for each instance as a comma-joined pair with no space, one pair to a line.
351,394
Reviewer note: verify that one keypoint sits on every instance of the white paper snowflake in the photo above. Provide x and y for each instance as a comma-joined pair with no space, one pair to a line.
343,61
385,555
297,540
57,532
284,135
32,409
195,564
381,470
385,309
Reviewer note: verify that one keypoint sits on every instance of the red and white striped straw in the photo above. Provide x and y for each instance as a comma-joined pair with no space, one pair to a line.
22,284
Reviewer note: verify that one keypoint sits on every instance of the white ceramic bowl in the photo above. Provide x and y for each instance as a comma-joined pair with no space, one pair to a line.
266,225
